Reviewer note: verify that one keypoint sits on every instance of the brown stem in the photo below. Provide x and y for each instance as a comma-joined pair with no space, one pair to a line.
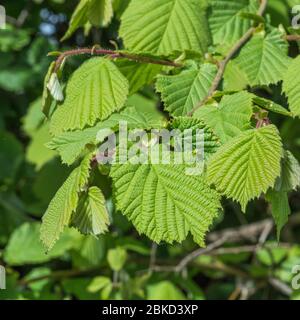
223,64
114,54
292,37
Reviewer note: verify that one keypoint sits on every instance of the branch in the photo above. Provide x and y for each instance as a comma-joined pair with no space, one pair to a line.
247,232
113,54
217,239
292,37
223,64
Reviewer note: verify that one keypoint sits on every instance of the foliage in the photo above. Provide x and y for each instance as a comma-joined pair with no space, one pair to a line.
74,227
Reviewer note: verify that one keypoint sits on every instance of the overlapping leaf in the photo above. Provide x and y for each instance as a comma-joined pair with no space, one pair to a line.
71,144
202,135
182,92
138,74
64,203
225,21
94,92
290,173
248,165
162,27
163,202
264,58
91,216
97,12
280,208
291,86
230,117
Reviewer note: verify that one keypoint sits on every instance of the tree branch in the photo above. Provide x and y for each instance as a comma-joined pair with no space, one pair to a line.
113,54
223,64
292,37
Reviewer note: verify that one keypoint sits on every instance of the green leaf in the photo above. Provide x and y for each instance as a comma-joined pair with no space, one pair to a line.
271,106
100,12
94,92
47,98
91,216
280,208
24,246
37,153
90,253
34,117
163,202
11,157
210,140
289,179
98,284
138,74
182,92
271,256
225,21
163,27
230,117
247,165
264,58
291,86
71,144
164,290
78,19
117,258
64,203
234,78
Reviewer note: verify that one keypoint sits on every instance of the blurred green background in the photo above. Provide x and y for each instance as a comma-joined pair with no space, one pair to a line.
121,264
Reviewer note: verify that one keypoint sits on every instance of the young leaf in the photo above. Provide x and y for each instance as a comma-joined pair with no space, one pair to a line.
291,86
163,27
280,208
230,117
247,165
47,98
264,58
64,203
163,202
94,92
225,21
55,88
210,140
181,92
91,216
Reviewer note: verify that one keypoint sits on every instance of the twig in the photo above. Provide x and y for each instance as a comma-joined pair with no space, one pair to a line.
247,232
195,254
292,37
152,256
114,54
59,275
230,55
280,286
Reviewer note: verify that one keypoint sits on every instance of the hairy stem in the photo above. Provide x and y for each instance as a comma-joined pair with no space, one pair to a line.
113,54
223,64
